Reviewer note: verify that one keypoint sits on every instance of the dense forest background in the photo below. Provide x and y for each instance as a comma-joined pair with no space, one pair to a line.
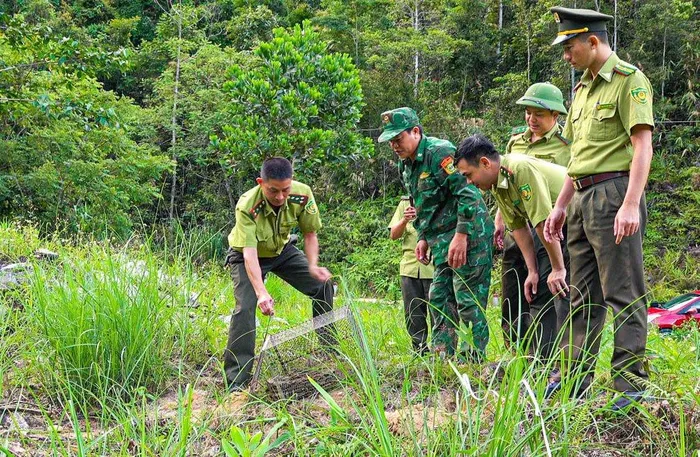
119,118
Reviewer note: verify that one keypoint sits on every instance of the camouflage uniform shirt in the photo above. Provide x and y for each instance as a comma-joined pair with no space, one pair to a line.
446,203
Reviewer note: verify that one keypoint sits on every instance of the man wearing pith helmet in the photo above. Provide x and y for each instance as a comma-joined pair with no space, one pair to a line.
451,219
610,123
541,138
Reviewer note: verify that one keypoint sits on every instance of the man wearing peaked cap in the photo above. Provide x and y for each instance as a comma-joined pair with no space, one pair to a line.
453,220
610,123
541,138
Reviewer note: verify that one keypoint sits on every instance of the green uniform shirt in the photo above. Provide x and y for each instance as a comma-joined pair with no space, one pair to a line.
258,226
409,266
602,115
552,147
527,189
445,202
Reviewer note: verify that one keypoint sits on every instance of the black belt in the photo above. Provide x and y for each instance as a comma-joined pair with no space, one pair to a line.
588,181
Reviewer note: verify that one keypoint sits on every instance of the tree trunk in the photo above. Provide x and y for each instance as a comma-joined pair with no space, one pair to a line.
416,27
173,124
615,28
663,65
500,26
529,53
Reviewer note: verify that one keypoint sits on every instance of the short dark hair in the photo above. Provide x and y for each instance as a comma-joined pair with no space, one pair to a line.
475,147
602,36
277,168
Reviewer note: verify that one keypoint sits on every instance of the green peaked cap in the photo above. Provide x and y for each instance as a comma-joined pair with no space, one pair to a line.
572,21
396,121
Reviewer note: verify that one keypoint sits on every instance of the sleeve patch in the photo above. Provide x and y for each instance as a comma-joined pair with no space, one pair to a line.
525,192
448,165
299,199
640,95
311,207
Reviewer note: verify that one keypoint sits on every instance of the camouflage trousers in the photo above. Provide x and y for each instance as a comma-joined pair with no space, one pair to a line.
458,299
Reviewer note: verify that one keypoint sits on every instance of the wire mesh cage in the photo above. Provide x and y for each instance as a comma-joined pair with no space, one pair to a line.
318,349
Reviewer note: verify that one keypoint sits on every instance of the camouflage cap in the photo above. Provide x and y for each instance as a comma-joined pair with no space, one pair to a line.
543,95
396,121
572,21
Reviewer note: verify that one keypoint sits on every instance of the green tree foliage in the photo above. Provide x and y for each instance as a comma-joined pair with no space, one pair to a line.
68,158
206,193
298,101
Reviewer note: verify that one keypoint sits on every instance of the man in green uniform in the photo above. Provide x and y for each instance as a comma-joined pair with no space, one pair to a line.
415,277
610,123
541,137
260,244
525,189
451,219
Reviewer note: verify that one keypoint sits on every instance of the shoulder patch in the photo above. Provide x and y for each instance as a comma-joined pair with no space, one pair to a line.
299,199
311,207
255,210
518,130
448,165
624,69
640,95
525,192
563,139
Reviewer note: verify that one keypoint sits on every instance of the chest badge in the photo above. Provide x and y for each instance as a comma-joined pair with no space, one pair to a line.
424,175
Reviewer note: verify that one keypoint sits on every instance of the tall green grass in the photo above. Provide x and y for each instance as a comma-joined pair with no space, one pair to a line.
108,330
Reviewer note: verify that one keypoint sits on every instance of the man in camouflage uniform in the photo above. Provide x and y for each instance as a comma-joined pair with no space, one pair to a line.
525,189
451,219
610,123
260,244
541,138
415,277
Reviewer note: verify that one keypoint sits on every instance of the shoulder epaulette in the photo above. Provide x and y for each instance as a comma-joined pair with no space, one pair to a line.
577,86
255,210
624,69
299,199
562,138
518,130
507,173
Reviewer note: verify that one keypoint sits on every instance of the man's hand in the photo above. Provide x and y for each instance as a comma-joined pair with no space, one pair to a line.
498,234
531,285
626,222
422,252
556,281
320,273
554,225
266,304
409,213
500,229
457,253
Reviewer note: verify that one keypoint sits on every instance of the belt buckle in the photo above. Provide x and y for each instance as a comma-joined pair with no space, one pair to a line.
577,185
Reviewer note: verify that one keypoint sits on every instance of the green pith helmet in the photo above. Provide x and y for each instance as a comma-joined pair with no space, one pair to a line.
545,96
396,121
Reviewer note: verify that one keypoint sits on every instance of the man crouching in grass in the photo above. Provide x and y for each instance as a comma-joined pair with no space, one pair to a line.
260,244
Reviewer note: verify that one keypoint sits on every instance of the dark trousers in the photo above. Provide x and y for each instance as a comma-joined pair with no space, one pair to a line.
606,275
540,320
415,293
292,266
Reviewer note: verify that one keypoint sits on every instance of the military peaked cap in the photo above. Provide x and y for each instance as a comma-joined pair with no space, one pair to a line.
572,21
